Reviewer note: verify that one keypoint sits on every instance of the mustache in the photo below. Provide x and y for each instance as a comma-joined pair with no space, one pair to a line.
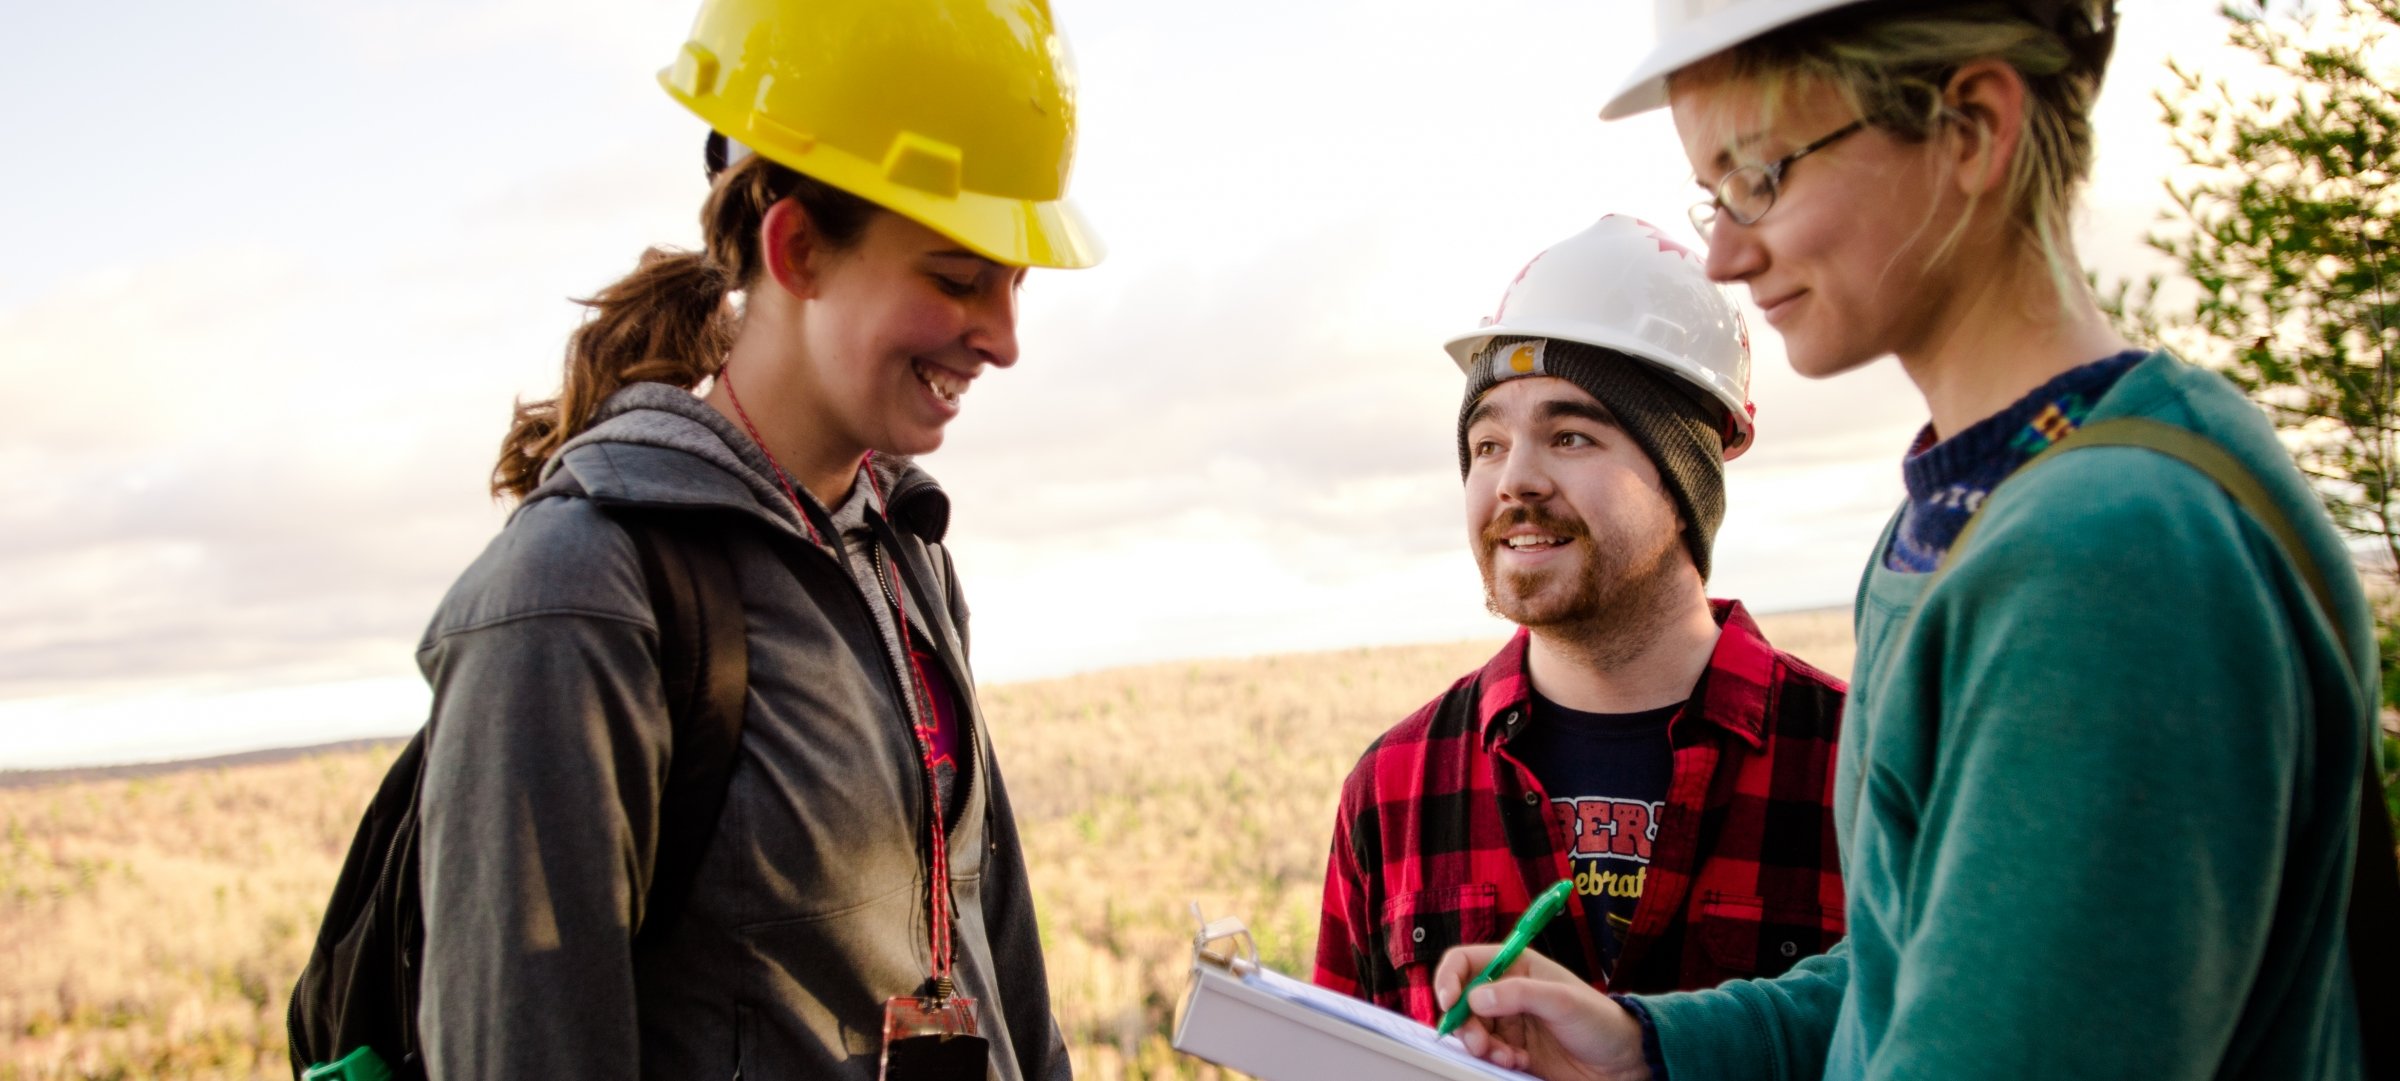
1495,532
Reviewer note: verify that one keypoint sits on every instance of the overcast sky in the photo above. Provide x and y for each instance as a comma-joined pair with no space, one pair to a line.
279,268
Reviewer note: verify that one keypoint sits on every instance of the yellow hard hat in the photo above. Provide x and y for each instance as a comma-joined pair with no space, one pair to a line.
959,114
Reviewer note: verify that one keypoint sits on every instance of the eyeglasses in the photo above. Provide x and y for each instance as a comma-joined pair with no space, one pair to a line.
1748,193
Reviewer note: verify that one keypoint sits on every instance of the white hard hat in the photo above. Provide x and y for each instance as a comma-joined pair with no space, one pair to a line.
1622,285
1690,31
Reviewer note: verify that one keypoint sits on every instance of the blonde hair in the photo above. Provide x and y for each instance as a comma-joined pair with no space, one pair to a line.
1891,61
669,321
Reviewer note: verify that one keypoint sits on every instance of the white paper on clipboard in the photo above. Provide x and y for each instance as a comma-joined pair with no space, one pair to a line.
1246,1017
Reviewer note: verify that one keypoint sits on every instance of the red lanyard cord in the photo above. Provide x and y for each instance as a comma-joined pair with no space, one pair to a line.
939,902
725,379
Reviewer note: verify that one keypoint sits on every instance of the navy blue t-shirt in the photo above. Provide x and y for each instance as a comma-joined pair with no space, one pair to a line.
1607,776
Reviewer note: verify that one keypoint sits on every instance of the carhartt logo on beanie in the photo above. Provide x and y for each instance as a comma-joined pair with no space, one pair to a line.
1677,431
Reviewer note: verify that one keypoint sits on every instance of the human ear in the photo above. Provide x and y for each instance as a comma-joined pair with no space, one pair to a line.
1984,105
791,248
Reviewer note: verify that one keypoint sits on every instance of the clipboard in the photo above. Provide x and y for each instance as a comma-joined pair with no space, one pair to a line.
1244,1016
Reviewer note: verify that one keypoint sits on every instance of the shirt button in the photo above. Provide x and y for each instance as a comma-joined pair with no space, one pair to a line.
1790,948
1533,799
1416,934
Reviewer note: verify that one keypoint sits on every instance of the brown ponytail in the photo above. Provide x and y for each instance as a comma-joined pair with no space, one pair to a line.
671,320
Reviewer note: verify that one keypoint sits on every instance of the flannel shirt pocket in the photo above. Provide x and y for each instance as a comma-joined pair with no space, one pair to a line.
1418,927
1751,936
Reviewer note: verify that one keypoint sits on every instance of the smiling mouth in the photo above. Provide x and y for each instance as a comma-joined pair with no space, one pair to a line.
1527,531
1534,542
945,384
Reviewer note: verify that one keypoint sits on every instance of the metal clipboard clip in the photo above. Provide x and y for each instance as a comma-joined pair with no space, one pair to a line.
1225,943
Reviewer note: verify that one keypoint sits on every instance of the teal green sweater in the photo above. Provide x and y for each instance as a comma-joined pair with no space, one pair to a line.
2109,807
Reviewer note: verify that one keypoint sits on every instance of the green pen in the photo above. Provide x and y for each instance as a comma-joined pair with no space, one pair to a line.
1544,907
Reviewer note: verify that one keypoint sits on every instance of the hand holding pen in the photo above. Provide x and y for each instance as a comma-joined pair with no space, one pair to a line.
1530,1013
1537,916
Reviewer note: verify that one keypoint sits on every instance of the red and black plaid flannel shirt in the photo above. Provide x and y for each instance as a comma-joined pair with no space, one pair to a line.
1444,838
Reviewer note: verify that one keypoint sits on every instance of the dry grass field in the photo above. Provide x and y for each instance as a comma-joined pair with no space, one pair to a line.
151,927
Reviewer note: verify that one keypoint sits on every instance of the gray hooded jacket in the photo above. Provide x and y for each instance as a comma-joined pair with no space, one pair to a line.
550,749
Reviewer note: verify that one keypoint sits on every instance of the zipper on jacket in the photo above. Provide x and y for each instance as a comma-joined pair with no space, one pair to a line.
883,572
875,559
929,794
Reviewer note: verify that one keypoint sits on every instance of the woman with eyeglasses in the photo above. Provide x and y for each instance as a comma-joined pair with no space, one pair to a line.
2100,779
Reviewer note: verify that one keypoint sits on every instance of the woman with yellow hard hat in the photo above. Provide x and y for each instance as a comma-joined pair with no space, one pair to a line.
2099,791
882,174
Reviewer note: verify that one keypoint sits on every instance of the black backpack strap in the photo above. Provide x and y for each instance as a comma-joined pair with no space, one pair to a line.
704,664
2375,877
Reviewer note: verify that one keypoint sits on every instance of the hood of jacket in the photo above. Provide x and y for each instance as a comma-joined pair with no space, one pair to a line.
655,445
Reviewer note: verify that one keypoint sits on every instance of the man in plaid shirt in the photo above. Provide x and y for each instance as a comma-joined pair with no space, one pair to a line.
1634,735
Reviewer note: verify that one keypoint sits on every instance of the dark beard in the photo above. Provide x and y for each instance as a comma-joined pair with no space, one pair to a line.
1613,609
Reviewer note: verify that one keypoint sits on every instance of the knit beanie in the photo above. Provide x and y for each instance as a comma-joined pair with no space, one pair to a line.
1676,429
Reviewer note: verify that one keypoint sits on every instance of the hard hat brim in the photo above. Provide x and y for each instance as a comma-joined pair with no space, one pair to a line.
1739,422
1646,88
